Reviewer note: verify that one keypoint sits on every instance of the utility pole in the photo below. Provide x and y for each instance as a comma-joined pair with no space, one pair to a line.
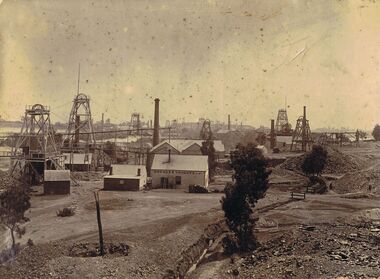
102,142
101,244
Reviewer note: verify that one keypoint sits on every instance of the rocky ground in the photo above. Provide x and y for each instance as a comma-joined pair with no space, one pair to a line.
323,251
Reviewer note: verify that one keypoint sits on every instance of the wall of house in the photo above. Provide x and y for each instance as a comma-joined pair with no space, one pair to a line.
56,187
187,178
124,184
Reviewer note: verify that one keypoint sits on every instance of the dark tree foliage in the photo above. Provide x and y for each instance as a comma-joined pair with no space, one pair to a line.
315,161
376,132
208,149
251,183
261,138
110,149
14,201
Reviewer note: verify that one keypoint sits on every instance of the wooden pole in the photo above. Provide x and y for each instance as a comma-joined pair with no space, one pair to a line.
101,245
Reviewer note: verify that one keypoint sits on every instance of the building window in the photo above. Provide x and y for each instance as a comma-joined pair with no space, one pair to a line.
177,180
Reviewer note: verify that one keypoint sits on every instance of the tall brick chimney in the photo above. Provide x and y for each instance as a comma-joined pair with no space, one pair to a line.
156,131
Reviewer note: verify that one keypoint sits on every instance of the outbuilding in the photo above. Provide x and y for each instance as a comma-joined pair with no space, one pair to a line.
126,178
179,171
56,182
78,161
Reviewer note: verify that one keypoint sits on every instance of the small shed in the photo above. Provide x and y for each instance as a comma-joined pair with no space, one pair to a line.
126,178
56,182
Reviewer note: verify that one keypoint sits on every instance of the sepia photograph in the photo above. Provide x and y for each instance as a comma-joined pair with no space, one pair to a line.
197,139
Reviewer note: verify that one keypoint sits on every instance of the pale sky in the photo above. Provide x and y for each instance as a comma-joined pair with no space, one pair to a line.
201,58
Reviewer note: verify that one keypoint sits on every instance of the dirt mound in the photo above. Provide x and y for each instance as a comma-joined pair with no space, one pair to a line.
359,181
337,162
92,249
31,262
326,251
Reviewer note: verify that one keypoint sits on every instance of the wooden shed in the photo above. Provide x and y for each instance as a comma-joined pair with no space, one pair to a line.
56,182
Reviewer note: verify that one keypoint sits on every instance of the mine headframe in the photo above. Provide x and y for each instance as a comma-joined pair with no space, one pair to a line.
35,148
302,134
80,124
282,123
135,123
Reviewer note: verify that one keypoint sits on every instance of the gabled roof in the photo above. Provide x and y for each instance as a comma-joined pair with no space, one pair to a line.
218,145
182,144
180,162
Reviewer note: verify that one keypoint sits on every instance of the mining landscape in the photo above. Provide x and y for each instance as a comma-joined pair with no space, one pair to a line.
176,139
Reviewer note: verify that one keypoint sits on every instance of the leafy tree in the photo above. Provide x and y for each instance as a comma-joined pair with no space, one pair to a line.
251,183
208,149
261,138
14,201
376,132
315,161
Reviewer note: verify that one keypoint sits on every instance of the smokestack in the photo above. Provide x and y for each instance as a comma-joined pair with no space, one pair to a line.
156,132
304,112
229,122
272,134
169,152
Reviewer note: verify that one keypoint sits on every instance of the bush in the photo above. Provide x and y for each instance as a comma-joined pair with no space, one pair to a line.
315,161
66,212
376,132
30,242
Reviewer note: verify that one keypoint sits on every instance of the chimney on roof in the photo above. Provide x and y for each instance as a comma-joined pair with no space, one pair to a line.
229,122
156,132
169,152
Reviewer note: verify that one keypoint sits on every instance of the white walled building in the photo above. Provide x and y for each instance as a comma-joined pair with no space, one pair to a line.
179,171
126,177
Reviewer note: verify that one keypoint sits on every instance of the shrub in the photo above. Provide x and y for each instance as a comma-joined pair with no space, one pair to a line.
66,212
376,132
315,161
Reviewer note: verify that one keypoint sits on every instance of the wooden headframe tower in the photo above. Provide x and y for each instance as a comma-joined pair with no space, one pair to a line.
35,148
302,134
